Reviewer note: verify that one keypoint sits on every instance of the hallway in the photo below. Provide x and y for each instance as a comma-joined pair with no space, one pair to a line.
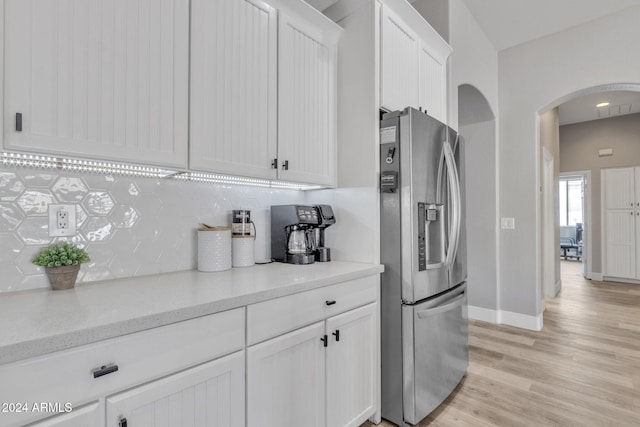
582,369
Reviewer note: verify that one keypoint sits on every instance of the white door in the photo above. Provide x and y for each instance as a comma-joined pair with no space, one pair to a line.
286,380
351,364
233,87
210,395
620,243
306,104
101,79
399,63
619,188
432,84
89,415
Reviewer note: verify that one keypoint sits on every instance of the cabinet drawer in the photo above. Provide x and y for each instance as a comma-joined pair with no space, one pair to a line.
68,375
271,318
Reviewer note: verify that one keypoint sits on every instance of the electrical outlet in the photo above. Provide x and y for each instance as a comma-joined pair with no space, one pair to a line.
62,220
508,223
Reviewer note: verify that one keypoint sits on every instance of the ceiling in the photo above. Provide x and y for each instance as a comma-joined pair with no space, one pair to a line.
510,22
583,108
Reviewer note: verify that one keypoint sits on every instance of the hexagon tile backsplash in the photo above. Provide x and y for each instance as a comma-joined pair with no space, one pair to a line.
129,226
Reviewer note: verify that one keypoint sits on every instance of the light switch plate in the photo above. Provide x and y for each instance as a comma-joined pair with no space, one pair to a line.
507,223
62,220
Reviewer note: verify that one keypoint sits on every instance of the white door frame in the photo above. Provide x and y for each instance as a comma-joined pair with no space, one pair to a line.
587,248
549,215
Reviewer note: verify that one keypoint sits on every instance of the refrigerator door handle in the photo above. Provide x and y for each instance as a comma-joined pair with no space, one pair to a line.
430,312
454,186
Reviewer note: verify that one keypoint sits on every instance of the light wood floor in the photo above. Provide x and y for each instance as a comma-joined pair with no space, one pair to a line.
582,369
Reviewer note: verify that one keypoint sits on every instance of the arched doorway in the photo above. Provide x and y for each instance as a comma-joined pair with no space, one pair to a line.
477,128
590,173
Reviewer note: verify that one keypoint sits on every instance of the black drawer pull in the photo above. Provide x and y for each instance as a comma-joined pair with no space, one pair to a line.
337,334
330,302
104,370
18,122
122,422
325,340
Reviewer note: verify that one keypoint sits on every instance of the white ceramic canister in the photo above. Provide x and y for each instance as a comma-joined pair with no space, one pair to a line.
242,252
214,249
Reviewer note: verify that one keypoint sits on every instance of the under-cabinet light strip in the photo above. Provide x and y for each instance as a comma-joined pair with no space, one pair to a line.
112,168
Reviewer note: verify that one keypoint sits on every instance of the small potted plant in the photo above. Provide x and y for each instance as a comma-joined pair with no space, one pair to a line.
62,264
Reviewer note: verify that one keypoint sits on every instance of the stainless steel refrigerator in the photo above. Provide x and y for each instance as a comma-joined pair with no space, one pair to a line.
424,325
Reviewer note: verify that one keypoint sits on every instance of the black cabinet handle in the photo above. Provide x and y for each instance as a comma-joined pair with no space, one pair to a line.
274,164
330,302
325,340
122,422
104,370
337,334
285,165
18,122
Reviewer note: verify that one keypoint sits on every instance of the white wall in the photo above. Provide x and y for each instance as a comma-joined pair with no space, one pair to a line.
480,197
474,59
533,78
474,62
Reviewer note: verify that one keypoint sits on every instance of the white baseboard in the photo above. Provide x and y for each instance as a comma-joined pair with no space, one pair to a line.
532,323
596,276
621,280
483,314
557,288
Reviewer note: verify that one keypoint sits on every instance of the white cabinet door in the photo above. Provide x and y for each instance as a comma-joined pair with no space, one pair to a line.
637,186
306,105
101,79
399,63
286,380
88,415
619,188
621,243
351,365
432,83
210,395
636,248
233,87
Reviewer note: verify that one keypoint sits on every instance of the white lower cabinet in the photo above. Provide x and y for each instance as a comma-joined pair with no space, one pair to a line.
351,365
310,358
286,380
323,374
209,395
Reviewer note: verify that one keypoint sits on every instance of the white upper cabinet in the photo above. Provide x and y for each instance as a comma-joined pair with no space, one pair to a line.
413,62
307,105
432,83
98,78
399,63
619,189
233,87
263,90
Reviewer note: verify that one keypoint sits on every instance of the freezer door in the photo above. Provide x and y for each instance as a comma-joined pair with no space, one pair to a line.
435,351
423,218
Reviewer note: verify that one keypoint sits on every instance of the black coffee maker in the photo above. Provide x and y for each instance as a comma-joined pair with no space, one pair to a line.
293,233
327,219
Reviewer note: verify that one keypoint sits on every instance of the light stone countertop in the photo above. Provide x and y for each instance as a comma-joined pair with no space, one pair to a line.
38,322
